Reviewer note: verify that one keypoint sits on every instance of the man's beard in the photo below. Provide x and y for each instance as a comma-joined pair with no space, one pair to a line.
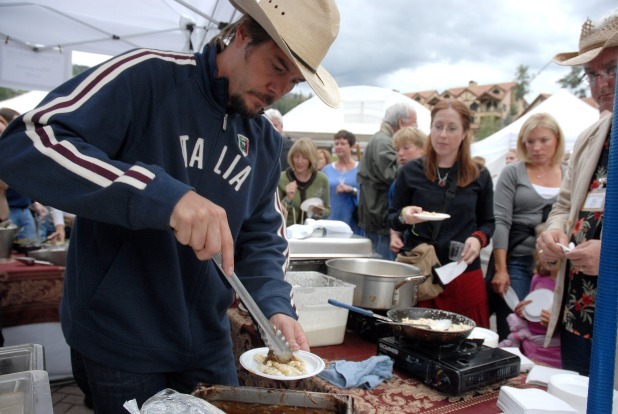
237,104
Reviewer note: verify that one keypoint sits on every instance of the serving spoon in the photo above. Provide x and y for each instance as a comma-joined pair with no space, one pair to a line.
437,324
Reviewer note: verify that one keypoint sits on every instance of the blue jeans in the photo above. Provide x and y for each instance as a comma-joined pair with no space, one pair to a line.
520,270
575,351
108,388
381,245
22,218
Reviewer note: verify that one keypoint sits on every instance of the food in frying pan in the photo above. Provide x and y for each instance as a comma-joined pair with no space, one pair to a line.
435,324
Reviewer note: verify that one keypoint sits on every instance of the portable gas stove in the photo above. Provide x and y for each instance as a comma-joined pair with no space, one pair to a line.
454,368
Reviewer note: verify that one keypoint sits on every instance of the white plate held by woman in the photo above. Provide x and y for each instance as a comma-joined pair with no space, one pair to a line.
429,216
314,364
310,203
511,299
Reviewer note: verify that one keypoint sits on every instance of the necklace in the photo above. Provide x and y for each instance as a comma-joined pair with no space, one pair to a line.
441,180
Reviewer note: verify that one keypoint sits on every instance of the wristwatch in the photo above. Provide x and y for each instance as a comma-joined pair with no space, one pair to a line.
402,220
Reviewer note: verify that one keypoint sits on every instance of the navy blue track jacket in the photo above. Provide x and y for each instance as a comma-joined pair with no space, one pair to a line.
119,145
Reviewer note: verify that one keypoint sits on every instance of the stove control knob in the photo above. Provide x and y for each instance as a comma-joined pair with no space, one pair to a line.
441,380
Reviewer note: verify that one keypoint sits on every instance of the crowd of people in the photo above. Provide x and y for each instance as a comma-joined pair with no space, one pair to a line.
403,173
182,205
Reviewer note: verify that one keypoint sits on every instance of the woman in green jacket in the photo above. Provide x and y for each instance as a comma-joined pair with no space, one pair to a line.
301,182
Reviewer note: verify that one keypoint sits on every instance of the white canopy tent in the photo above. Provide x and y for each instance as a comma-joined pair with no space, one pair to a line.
38,36
573,116
24,102
361,112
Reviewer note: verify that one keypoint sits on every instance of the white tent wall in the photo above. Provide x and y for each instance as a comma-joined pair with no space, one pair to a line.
361,111
572,114
24,102
34,30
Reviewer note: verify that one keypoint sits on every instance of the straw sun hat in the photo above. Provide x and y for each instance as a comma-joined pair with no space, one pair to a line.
594,38
304,30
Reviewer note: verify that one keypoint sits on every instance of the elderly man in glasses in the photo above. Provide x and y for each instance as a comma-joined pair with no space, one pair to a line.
577,216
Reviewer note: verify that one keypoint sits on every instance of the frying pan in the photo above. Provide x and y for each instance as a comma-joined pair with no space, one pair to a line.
417,333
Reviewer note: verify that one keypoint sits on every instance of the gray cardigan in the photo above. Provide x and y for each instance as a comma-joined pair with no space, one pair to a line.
516,201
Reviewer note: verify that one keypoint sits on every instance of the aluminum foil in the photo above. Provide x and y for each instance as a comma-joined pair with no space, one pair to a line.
169,401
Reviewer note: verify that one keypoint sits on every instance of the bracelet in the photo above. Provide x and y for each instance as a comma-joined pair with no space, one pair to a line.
480,236
402,219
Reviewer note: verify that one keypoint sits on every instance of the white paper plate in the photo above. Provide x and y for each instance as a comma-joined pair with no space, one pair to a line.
526,363
310,202
541,299
426,215
315,364
511,299
489,337
450,271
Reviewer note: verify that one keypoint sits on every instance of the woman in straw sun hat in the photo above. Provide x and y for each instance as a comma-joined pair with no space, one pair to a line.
577,215
143,307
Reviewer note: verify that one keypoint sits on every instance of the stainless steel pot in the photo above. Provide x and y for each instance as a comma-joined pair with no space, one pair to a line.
380,284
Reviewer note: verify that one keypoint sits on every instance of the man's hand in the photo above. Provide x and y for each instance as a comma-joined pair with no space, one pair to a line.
549,250
203,225
291,330
585,257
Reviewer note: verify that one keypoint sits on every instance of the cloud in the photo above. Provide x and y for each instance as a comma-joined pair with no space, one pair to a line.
419,45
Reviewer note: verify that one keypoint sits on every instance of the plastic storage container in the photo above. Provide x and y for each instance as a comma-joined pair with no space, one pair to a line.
25,393
19,358
324,324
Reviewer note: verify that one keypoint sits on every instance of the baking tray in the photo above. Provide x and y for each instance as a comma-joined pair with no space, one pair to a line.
336,403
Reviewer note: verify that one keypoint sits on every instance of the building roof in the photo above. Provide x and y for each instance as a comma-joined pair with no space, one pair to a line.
477,90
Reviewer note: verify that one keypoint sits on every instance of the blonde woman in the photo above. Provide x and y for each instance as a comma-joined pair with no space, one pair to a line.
524,194
302,181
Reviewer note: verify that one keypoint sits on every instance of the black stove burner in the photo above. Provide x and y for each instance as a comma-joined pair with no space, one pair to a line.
466,346
367,327
452,369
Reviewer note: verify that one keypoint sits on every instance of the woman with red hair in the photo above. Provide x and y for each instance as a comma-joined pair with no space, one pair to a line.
422,186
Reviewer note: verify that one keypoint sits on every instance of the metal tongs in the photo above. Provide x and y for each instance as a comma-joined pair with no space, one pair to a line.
272,337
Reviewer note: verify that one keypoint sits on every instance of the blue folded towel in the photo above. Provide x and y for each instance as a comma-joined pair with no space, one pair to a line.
369,373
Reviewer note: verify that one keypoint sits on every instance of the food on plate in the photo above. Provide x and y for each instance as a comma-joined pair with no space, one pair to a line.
270,365
435,326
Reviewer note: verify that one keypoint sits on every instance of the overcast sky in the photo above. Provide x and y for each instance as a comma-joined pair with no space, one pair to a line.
415,45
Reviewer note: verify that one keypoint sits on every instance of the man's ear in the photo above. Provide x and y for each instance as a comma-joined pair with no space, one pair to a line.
241,34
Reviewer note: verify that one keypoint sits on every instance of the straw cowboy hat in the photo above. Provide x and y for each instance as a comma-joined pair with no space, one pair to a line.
304,30
594,38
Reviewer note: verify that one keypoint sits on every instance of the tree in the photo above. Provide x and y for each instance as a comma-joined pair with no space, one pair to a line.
290,101
522,82
487,126
573,82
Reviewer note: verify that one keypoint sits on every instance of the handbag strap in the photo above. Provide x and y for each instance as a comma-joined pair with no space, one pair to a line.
448,199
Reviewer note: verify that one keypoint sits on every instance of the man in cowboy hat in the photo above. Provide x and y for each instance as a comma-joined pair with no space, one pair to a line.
166,162
577,215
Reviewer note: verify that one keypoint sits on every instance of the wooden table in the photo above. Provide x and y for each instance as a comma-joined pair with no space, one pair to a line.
401,394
